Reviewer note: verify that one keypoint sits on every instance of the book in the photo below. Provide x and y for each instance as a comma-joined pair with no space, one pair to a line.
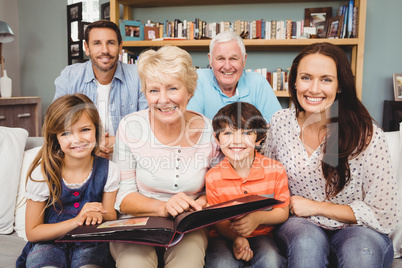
166,232
350,19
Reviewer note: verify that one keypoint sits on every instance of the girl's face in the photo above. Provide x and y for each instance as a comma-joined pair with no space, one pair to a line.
316,83
168,101
78,141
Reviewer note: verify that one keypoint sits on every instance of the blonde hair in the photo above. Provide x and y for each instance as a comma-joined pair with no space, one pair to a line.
166,63
61,114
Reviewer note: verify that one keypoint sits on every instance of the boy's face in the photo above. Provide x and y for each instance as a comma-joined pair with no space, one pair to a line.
238,145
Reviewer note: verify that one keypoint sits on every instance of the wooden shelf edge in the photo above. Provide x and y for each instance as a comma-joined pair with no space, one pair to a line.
282,94
172,3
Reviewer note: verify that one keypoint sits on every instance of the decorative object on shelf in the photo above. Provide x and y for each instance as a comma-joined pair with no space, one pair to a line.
75,33
105,11
5,86
131,30
334,27
6,36
74,12
317,17
151,32
397,86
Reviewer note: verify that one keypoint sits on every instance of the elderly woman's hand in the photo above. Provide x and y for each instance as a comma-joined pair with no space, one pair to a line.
179,203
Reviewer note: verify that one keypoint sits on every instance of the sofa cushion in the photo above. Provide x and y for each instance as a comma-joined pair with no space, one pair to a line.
12,144
19,225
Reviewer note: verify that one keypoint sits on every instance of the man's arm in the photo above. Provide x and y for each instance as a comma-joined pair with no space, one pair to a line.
61,83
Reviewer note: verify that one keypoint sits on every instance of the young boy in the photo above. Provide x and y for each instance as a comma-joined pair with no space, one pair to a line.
239,129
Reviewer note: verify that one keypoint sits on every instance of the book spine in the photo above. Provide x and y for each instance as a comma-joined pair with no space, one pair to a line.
354,30
289,31
350,18
273,29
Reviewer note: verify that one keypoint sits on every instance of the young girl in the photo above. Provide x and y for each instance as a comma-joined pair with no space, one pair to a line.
67,186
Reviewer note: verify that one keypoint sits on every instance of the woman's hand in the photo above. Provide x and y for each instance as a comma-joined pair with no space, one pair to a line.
179,203
303,207
241,249
91,213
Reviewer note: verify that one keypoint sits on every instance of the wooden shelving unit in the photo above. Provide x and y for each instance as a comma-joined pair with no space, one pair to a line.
355,45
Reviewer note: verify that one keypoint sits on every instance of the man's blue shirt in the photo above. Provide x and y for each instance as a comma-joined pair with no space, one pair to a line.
125,93
252,88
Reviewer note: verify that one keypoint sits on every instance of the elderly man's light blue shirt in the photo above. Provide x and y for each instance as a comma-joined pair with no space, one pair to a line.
252,88
125,93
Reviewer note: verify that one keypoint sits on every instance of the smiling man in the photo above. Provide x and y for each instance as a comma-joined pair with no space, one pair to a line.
114,87
227,82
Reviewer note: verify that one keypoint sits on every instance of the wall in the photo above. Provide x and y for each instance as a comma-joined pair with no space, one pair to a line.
383,53
43,48
11,52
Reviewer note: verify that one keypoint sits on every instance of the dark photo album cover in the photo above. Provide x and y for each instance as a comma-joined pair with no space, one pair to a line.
166,232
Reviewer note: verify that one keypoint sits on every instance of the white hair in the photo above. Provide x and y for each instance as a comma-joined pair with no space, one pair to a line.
226,37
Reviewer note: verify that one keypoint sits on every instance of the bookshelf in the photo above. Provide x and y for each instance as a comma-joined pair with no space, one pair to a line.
354,45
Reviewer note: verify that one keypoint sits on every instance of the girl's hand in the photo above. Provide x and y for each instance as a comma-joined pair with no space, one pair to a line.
241,249
179,203
244,225
91,213
90,218
302,207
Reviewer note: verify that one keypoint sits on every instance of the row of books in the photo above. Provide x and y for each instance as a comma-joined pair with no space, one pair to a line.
199,29
349,12
278,79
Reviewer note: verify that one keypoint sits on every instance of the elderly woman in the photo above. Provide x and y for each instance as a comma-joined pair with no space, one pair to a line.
163,153
344,196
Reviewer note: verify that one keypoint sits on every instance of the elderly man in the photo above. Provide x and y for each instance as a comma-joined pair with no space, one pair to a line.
227,82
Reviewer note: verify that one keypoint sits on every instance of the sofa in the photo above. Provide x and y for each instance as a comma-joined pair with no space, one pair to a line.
17,151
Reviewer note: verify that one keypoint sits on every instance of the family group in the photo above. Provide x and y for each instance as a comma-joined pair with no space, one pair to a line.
161,138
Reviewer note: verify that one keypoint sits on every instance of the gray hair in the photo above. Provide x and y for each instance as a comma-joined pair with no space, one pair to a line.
226,37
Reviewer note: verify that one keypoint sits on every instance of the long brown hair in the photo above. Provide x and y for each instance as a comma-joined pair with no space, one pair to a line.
61,114
350,126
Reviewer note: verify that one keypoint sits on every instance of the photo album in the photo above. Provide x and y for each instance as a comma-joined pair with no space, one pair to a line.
167,232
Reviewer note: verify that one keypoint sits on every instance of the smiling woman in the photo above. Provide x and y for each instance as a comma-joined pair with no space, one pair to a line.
180,141
344,199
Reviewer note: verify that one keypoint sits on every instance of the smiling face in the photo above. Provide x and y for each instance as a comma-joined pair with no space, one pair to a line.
238,145
78,141
103,48
227,64
167,101
316,83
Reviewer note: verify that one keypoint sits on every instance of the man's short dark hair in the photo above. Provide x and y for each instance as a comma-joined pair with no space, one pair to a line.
103,24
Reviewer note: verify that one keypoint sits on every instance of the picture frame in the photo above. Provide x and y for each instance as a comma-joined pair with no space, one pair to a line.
151,32
397,78
334,26
76,51
312,16
131,30
74,12
105,11
81,29
321,29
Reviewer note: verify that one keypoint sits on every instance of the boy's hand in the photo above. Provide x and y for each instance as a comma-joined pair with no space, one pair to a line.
245,225
241,249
